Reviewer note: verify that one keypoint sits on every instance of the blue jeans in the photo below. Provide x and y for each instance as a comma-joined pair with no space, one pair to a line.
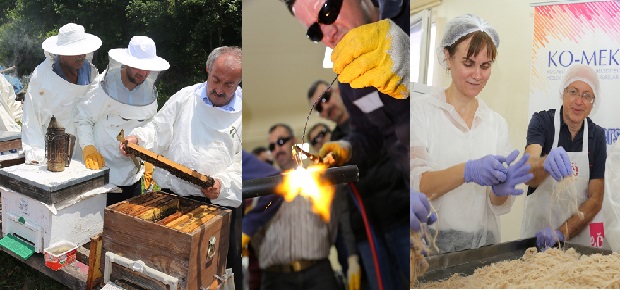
393,259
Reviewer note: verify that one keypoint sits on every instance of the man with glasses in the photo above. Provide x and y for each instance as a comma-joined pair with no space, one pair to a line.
330,107
318,135
563,143
281,140
56,86
384,195
371,57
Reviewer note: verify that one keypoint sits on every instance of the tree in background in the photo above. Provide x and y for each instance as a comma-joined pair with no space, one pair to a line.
185,31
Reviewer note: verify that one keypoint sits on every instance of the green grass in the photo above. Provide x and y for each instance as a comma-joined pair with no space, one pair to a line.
15,274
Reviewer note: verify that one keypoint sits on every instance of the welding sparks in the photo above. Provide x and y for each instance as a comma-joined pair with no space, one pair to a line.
308,183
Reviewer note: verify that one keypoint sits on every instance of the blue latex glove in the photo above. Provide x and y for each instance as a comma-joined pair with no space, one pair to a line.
419,210
548,237
486,171
516,173
558,164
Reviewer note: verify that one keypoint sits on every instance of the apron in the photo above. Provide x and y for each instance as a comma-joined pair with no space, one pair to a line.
539,203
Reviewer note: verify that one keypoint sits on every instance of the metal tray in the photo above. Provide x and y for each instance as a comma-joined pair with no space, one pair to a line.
443,266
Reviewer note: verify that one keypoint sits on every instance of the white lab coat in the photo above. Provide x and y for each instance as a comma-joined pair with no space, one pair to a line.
48,94
611,200
10,109
201,137
440,139
100,118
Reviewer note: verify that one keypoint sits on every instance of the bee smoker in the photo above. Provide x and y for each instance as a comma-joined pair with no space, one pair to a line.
58,146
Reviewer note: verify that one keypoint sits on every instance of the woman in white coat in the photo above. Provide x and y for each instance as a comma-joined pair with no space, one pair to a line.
459,146
56,86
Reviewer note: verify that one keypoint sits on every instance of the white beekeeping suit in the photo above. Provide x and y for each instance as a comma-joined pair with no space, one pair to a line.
11,110
201,137
49,94
110,106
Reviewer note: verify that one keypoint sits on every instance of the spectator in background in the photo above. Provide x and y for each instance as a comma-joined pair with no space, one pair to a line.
318,135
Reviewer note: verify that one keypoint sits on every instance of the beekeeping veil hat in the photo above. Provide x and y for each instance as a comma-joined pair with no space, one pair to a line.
140,54
71,40
586,74
462,26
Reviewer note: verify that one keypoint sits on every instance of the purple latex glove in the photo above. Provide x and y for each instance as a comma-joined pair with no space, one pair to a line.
548,237
516,173
558,164
486,171
419,211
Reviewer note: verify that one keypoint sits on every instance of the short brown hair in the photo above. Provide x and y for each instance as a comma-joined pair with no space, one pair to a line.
479,40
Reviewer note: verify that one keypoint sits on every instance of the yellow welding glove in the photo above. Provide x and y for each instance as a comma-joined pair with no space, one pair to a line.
374,55
353,273
92,158
245,242
148,175
340,153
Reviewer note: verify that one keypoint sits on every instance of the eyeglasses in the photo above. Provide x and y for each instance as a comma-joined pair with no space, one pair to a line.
574,93
316,138
280,142
324,99
327,15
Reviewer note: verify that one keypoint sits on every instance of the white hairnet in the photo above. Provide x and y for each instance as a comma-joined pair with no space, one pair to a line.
586,74
461,26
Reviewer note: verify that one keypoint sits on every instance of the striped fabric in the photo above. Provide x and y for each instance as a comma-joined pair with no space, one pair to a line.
296,233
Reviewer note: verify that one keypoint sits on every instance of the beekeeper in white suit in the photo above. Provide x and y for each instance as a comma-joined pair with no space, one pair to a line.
565,142
55,87
200,127
10,109
124,97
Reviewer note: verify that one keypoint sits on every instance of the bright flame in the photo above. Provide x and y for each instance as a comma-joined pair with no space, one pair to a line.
307,183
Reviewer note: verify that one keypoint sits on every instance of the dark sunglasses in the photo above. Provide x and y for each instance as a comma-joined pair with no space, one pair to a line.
281,141
321,134
324,99
327,15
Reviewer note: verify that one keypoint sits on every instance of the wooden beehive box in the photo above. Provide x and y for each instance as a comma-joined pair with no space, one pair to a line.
177,236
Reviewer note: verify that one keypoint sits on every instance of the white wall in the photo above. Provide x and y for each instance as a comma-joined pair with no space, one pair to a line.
507,90
279,65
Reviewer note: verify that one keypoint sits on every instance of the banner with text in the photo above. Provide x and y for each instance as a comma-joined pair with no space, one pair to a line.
583,33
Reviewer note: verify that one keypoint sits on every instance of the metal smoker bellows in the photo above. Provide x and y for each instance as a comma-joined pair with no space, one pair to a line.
58,146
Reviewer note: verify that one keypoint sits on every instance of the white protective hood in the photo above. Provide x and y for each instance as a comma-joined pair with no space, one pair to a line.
48,94
100,118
